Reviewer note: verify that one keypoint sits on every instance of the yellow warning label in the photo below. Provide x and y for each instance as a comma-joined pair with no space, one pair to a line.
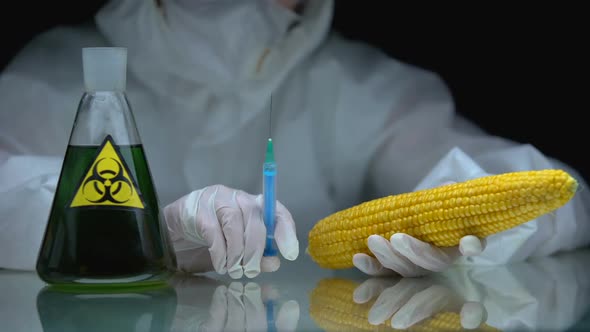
108,182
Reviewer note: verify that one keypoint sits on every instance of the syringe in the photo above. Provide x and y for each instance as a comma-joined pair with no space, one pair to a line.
269,175
269,186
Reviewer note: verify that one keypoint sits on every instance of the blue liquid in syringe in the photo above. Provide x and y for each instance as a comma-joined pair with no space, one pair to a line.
269,194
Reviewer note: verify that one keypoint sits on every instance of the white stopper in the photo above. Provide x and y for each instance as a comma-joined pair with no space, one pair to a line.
105,68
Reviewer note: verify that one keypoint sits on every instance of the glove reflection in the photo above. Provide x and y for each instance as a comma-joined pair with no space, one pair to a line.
407,302
210,305
338,304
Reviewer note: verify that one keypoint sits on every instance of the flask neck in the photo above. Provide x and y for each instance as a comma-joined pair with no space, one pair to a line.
101,114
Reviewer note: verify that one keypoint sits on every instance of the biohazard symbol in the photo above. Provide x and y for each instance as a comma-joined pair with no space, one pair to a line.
107,182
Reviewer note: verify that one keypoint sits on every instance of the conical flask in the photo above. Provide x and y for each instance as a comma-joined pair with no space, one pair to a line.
105,226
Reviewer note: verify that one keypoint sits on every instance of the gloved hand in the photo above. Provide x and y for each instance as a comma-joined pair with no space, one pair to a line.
220,228
409,301
409,257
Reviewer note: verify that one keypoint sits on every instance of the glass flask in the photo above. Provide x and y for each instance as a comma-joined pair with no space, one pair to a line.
105,227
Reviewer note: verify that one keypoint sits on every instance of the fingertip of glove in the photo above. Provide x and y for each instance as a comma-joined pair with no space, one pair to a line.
290,250
222,270
470,245
236,273
400,324
398,238
292,253
361,262
357,259
251,273
374,240
473,314
270,264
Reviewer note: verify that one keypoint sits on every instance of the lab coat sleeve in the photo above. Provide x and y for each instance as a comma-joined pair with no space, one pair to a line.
424,143
27,187
39,92
28,173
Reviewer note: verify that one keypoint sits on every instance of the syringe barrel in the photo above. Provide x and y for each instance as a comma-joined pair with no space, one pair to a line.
270,204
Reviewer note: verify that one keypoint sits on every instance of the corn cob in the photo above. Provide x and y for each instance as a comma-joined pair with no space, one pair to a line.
441,215
332,308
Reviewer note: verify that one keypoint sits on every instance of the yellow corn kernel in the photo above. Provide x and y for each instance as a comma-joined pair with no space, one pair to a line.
443,215
332,308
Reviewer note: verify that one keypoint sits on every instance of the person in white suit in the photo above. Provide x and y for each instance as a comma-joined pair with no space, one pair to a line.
349,124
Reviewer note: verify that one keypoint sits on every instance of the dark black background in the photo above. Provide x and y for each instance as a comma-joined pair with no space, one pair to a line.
517,72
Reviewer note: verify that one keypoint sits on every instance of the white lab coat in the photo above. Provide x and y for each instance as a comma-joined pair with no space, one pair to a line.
349,123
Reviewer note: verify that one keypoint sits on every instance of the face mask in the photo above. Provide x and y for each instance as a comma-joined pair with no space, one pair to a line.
207,40
216,62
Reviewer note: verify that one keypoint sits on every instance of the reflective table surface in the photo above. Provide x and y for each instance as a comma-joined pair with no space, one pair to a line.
549,294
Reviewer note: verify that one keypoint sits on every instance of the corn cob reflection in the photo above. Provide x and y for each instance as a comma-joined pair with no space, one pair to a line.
333,309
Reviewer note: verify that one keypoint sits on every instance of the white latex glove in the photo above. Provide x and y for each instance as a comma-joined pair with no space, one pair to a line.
409,257
410,301
222,228
233,307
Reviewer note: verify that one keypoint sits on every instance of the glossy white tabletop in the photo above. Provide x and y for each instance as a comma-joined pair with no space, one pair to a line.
551,294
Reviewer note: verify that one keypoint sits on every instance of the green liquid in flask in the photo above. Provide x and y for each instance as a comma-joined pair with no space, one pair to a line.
105,245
